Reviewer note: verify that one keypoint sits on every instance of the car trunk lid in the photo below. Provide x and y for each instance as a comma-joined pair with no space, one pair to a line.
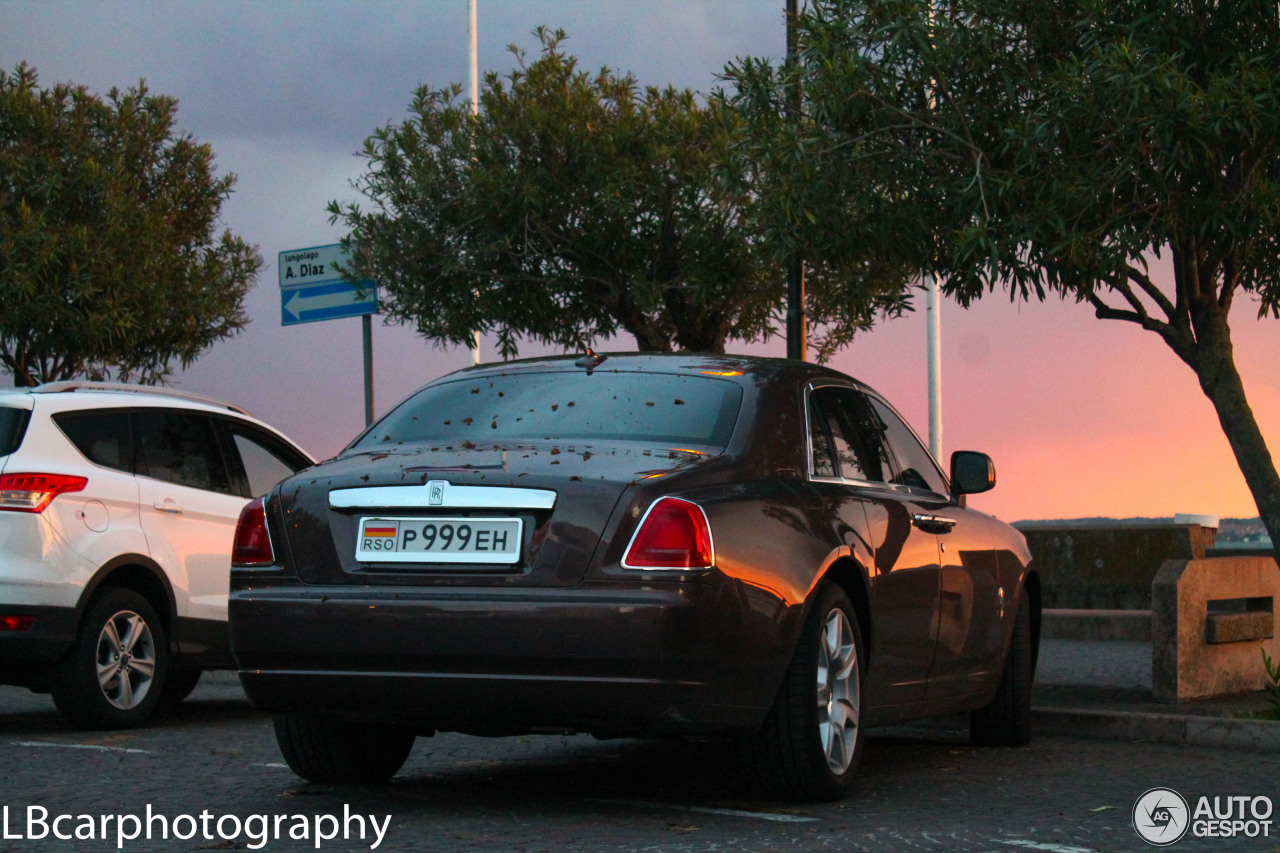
354,520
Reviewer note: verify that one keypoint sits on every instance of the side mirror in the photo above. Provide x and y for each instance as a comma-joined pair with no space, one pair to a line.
971,473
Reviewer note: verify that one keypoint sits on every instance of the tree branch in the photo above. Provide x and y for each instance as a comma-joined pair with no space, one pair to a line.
1157,295
1103,311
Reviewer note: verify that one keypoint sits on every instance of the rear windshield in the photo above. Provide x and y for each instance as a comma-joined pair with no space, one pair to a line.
659,408
13,424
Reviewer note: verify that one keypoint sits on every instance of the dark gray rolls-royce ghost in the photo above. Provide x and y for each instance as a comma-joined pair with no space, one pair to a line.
633,545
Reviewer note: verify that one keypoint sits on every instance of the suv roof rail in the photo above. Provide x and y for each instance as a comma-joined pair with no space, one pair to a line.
73,385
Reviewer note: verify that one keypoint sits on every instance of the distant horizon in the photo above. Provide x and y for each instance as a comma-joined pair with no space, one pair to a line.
1237,532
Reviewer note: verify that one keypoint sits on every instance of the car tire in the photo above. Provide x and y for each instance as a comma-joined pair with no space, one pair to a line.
113,676
807,749
1007,720
178,685
333,752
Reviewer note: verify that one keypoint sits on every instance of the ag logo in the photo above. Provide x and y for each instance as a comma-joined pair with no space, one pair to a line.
1161,816
435,492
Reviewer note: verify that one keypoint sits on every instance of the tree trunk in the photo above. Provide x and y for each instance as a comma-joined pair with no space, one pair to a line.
1213,360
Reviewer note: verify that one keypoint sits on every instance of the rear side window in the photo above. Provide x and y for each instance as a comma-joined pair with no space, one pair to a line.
265,461
823,458
181,447
854,432
13,425
665,408
101,435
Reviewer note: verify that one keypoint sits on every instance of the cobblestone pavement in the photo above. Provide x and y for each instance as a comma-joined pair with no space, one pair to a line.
920,789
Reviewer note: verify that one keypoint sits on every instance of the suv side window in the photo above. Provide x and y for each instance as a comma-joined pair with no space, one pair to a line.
855,434
916,468
13,425
102,435
181,447
266,461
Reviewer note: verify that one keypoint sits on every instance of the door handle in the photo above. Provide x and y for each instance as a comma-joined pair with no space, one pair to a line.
933,523
168,506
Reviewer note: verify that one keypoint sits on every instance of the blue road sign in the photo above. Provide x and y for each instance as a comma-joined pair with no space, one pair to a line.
312,287
327,301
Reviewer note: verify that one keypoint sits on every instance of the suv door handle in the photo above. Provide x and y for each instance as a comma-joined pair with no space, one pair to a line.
933,523
168,506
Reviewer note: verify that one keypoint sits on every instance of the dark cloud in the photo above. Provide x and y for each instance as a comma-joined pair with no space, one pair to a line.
286,92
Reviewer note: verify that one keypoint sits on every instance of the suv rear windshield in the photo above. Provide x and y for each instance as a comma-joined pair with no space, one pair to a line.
13,424
665,408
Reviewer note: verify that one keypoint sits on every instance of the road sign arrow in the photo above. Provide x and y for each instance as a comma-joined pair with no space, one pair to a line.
297,304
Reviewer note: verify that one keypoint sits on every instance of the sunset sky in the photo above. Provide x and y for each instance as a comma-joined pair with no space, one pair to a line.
1083,417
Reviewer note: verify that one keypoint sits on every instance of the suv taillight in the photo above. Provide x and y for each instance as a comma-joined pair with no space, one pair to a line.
33,492
252,546
674,534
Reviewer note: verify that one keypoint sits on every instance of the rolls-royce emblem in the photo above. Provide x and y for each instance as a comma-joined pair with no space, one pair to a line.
435,493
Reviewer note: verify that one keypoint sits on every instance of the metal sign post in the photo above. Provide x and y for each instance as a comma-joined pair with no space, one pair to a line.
366,323
312,289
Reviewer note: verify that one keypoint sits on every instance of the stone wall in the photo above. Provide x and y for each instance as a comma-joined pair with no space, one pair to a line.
1210,622
1109,568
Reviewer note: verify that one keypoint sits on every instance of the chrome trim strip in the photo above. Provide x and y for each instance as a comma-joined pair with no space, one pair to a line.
710,537
451,497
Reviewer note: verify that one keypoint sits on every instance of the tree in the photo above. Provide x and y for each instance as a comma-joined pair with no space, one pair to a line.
108,259
1042,148
574,206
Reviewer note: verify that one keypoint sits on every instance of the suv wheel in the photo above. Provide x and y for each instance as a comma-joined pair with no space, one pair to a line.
341,752
113,675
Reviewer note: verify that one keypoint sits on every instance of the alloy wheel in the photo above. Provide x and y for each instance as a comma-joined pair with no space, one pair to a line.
838,691
126,660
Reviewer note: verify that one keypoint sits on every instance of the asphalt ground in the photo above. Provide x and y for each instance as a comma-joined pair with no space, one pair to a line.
919,787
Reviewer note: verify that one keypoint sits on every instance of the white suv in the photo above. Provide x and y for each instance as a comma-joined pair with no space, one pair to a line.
118,507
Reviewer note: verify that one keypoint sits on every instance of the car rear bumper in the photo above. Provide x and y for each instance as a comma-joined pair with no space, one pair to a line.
26,656
607,658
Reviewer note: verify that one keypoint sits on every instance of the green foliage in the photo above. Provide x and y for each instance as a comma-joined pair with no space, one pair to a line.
574,206
108,258
1046,148
1273,683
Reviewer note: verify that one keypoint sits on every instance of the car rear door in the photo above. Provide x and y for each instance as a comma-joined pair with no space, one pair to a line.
905,581
189,504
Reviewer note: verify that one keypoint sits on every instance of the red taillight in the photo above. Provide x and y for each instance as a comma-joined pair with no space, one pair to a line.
16,623
33,492
252,548
674,534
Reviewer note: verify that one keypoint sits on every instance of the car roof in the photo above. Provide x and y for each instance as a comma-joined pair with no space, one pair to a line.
87,394
67,396
744,369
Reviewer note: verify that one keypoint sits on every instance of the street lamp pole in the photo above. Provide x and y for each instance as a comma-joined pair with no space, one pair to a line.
473,84
933,347
797,331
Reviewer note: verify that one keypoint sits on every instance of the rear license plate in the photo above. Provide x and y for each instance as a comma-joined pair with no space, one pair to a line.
439,540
